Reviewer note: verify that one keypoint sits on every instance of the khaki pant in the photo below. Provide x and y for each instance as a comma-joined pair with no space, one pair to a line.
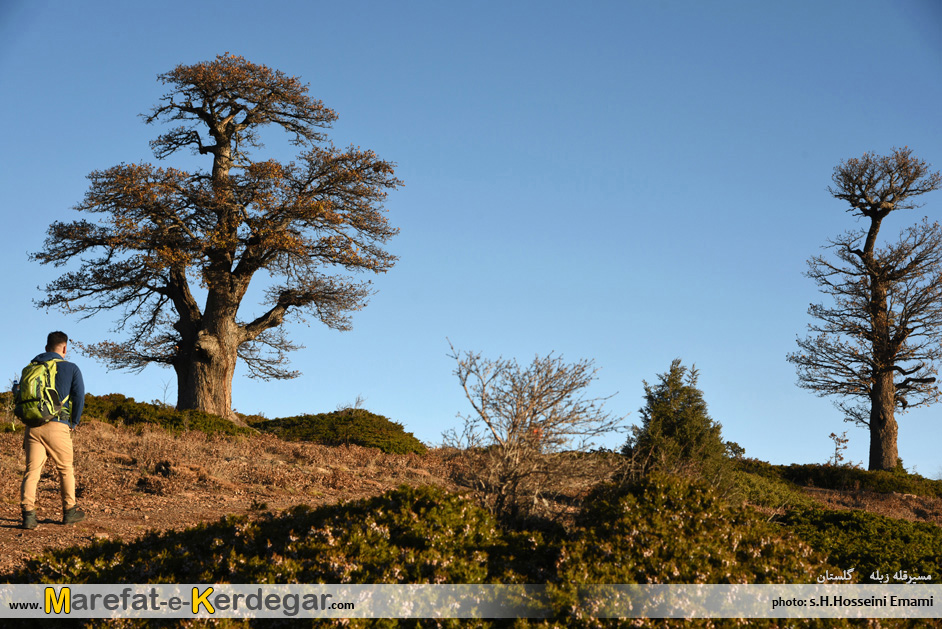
55,440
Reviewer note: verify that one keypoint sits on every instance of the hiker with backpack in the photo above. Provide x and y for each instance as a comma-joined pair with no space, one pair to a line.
49,399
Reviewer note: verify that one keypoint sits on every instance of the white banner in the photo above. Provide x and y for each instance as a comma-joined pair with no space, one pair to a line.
467,601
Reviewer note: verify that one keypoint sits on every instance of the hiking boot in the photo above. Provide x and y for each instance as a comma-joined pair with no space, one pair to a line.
29,520
73,515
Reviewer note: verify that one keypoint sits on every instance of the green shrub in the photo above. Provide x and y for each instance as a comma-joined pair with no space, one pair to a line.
8,423
677,435
771,492
100,407
349,426
408,535
759,468
666,529
115,408
867,542
844,478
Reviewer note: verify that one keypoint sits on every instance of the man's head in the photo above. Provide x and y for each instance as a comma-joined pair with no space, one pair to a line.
57,342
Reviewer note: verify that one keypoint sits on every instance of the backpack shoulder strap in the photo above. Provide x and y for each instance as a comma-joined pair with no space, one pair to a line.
62,403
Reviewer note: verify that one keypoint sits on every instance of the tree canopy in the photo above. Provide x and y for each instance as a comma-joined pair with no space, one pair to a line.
172,252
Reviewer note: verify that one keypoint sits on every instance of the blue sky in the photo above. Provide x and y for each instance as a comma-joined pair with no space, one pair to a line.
630,182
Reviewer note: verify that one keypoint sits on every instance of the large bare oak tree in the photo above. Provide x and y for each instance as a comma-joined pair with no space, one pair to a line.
877,347
173,252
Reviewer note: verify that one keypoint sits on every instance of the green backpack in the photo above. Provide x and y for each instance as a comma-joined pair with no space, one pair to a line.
36,399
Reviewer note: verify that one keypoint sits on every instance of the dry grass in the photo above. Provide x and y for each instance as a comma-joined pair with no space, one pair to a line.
131,481
893,505
551,486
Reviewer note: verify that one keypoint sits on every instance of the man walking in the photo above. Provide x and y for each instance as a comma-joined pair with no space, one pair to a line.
54,438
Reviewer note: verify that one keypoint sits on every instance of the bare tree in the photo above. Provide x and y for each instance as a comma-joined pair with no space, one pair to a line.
530,427
886,318
168,236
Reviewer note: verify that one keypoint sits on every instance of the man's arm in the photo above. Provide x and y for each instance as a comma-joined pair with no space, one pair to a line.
77,395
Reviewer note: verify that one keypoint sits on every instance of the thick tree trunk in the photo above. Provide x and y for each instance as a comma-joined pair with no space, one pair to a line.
205,381
883,427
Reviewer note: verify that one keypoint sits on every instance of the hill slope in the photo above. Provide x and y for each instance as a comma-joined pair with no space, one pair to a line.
130,482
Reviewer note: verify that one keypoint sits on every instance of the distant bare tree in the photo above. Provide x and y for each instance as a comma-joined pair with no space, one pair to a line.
886,318
531,427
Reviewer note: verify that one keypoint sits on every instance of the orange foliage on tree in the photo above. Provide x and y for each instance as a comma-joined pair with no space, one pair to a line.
160,230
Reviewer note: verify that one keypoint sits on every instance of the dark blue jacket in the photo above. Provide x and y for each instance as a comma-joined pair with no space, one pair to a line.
68,382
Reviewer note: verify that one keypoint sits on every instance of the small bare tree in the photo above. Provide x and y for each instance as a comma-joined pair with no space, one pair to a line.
530,430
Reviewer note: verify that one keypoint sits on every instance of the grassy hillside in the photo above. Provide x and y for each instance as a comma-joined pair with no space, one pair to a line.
177,501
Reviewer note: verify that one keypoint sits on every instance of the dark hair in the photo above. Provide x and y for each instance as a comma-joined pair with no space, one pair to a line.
55,339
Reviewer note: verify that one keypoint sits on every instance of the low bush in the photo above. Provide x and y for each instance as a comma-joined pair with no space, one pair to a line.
660,530
101,406
115,408
355,426
408,535
758,467
844,478
769,492
666,529
7,422
868,542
